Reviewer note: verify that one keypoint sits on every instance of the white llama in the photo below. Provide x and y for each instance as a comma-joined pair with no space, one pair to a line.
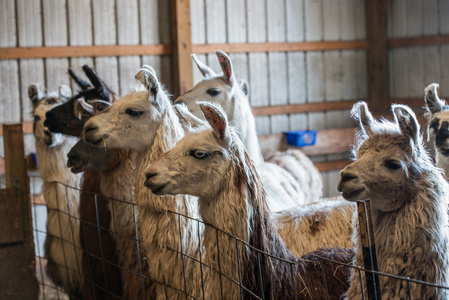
408,202
213,165
284,190
62,244
437,111
144,121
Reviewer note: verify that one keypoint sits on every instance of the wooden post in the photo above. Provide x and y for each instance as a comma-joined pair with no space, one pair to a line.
376,26
17,258
181,46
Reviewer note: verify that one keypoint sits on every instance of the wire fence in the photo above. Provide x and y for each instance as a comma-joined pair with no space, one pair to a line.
96,267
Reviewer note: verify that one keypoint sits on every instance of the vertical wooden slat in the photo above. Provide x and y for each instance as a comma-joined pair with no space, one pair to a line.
181,46
257,62
215,12
198,21
17,261
128,34
376,20
277,63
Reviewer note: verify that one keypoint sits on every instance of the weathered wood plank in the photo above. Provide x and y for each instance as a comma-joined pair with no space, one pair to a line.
10,218
8,30
182,46
80,22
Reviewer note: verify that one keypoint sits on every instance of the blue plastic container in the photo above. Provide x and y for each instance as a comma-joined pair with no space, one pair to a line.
301,138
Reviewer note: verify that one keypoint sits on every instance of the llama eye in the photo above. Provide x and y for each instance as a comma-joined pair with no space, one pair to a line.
213,92
51,101
134,113
36,118
199,154
392,164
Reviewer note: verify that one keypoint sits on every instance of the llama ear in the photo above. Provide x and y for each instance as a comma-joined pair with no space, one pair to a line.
433,103
187,119
226,66
218,121
205,70
244,87
407,121
65,92
35,93
80,106
84,85
100,90
147,76
99,105
361,113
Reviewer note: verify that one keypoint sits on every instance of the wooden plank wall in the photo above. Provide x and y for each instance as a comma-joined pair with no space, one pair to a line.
280,78
413,68
46,23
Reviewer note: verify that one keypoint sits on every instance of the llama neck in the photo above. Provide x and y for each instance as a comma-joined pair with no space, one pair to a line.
241,210
52,162
161,229
245,125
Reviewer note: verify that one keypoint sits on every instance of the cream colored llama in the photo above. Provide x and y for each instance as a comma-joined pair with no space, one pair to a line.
437,111
213,165
62,244
117,181
144,121
284,190
409,198
304,228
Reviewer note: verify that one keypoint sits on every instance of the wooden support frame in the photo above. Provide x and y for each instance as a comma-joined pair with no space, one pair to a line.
181,46
376,25
17,259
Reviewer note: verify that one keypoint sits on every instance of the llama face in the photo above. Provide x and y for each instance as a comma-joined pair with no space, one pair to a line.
385,162
438,112
221,89
42,103
131,121
84,156
197,164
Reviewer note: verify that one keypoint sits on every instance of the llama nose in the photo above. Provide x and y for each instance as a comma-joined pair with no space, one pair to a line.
89,128
150,175
347,176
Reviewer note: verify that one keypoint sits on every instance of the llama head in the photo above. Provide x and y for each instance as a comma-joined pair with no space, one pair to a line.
437,111
222,89
42,102
389,158
70,117
84,156
131,121
198,162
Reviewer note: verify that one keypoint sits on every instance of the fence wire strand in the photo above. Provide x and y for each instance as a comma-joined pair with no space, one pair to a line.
48,289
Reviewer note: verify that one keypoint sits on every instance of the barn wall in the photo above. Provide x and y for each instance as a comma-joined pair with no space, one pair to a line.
290,77
37,23
413,68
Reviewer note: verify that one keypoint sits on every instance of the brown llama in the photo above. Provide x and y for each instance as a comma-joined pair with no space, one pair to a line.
409,198
102,278
212,164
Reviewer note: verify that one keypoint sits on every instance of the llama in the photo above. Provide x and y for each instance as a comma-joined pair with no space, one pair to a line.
213,165
284,190
62,243
117,180
408,202
437,111
304,228
102,279
145,122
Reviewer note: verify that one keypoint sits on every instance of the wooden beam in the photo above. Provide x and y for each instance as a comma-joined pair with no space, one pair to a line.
27,128
84,51
376,25
419,41
302,108
181,46
280,47
332,165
